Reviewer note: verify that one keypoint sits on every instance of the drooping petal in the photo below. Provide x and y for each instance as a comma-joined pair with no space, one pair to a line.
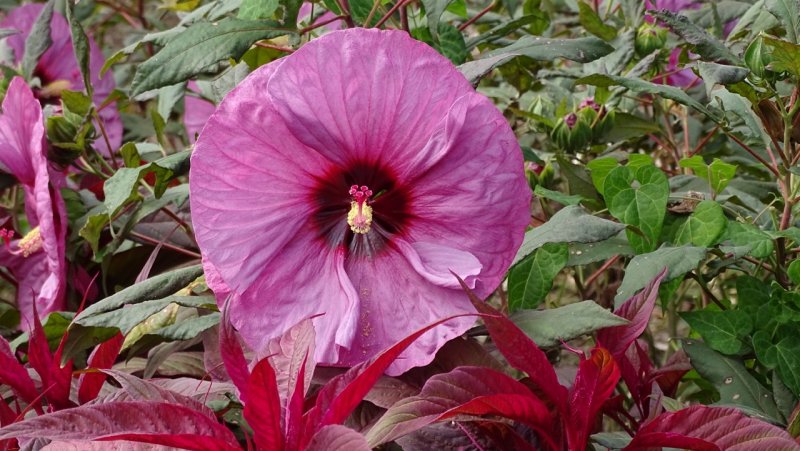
394,298
437,263
456,207
21,130
366,95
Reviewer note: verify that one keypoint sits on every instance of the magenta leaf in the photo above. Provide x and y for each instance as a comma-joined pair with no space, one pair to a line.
711,428
263,407
597,376
102,358
145,421
294,410
337,399
232,355
13,374
637,310
334,437
445,393
134,389
521,352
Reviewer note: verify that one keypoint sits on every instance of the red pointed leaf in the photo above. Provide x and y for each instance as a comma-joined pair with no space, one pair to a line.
114,420
13,374
448,392
711,428
103,357
597,376
637,310
521,408
288,352
520,351
175,441
263,407
337,438
341,395
232,355
56,380
294,409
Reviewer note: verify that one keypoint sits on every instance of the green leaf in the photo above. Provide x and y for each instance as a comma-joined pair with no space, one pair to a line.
644,268
92,229
599,169
707,46
475,70
793,271
593,24
199,50
628,126
549,327
570,225
585,253
784,356
186,329
563,199
257,9
751,293
360,10
6,32
720,74
537,18
156,287
433,12
38,41
530,281
80,45
168,97
582,50
121,188
741,234
788,13
129,316
724,331
643,207
704,227
785,55
736,386
645,87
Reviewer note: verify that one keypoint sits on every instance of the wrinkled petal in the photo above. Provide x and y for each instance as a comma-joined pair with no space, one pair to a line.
248,189
483,216
395,300
366,94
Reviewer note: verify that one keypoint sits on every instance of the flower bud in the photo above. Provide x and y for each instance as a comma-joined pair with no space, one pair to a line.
649,38
572,133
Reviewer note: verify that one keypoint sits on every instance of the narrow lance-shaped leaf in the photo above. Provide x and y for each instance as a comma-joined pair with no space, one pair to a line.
80,45
263,407
103,357
38,40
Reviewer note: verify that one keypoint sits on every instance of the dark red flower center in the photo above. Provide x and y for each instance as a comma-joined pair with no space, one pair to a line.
360,207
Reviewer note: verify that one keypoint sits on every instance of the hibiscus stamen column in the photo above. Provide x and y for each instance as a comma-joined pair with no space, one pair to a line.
360,216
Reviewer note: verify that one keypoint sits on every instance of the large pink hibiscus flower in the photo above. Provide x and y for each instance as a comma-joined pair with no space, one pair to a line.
58,68
37,259
350,179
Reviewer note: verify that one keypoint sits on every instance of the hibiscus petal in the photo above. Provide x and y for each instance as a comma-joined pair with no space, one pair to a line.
437,263
249,190
450,192
366,94
394,299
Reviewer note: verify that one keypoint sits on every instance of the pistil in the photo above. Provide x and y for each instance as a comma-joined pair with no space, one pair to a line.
359,218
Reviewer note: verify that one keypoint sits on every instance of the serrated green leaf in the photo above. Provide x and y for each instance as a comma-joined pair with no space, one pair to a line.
38,41
549,327
736,386
156,287
570,225
643,207
199,49
644,268
530,281
645,87
433,12
724,331
704,227
257,9
785,55
706,45
582,50
80,46
451,44
788,13
593,24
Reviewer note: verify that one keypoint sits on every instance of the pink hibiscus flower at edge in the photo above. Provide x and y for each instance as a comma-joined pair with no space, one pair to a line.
349,179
